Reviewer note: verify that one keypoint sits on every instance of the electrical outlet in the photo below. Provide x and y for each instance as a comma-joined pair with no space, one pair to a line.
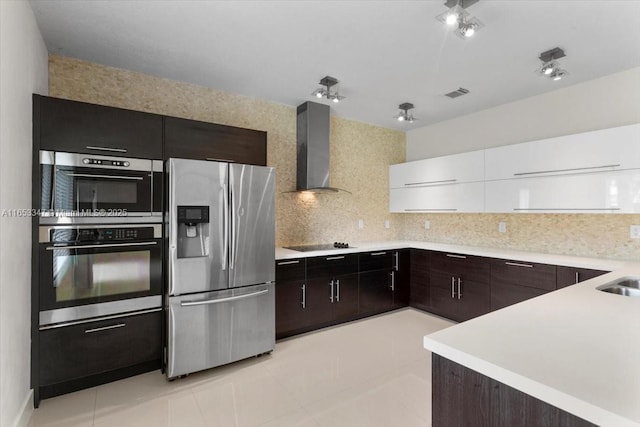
360,224
387,224
502,227
427,225
634,232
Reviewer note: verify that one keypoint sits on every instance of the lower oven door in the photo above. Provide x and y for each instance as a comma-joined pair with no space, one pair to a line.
74,277
214,328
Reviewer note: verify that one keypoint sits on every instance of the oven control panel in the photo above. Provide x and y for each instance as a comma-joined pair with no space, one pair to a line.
106,162
101,234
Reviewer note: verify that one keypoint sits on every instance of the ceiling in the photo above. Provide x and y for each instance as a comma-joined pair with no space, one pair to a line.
383,53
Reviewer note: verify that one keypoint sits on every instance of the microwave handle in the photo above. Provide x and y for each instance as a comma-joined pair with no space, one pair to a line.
90,175
108,245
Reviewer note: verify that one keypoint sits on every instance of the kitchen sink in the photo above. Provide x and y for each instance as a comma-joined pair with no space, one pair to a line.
627,286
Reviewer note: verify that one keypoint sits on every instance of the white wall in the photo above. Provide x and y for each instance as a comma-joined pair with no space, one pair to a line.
609,101
23,71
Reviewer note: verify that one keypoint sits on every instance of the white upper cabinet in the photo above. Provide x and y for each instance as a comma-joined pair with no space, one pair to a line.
598,151
457,168
607,192
463,197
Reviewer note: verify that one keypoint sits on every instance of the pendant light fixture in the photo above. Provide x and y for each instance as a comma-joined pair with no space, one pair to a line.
457,17
405,115
327,92
550,66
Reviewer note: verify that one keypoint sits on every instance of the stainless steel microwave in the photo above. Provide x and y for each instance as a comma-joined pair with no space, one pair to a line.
81,188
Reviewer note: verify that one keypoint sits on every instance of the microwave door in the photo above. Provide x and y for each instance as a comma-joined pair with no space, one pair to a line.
198,216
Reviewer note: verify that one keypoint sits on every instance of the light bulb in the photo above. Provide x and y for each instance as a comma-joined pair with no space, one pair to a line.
319,94
548,70
336,98
452,19
401,118
469,31
557,77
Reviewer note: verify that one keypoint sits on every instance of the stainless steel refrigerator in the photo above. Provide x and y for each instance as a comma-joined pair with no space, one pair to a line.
221,274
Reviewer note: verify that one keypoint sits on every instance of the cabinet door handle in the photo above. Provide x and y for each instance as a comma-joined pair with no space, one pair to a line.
566,170
453,284
332,258
577,280
456,256
114,150
397,262
519,264
444,181
331,287
338,290
378,253
393,281
304,296
105,328
431,210
289,262
459,288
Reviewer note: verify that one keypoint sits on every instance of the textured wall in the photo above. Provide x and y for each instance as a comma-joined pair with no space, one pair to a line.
360,153
590,235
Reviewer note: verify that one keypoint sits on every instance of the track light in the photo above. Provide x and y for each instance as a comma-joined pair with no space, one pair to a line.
405,115
550,66
465,25
325,92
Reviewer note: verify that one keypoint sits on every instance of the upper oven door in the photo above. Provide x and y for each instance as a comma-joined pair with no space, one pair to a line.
80,274
81,185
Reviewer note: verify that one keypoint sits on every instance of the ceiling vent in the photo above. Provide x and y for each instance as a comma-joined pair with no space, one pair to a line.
456,93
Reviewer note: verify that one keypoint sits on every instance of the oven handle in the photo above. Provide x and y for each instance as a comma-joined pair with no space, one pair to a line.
90,175
109,245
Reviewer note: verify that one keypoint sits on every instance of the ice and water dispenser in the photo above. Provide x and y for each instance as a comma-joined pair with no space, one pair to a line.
193,231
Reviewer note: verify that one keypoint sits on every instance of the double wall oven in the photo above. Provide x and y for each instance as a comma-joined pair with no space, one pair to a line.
100,237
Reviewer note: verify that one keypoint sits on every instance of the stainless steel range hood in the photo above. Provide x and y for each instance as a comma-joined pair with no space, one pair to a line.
313,134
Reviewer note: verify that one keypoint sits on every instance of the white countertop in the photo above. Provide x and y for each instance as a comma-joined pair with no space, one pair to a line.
567,260
576,348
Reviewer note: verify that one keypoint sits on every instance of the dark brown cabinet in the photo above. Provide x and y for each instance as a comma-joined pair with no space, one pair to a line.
419,279
567,276
377,281
191,139
459,286
74,352
401,278
332,286
463,397
79,127
291,305
516,281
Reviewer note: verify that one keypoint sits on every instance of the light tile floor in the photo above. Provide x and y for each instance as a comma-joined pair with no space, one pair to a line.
371,373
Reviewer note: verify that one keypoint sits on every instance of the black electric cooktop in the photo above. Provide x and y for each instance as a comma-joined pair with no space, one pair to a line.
323,247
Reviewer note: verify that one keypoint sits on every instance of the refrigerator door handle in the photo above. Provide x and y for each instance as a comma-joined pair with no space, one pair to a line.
232,250
224,208
220,300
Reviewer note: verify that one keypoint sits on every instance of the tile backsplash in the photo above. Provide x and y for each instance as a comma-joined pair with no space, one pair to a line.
360,156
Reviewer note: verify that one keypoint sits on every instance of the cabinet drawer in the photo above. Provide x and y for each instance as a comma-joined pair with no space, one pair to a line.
504,294
519,273
466,266
567,276
377,260
191,139
332,265
78,127
290,270
77,351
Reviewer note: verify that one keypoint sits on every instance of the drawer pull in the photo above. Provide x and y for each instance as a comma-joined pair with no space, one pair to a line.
105,328
332,258
444,181
567,209
566,170
456,256
378,253
289,262
519,264
115,150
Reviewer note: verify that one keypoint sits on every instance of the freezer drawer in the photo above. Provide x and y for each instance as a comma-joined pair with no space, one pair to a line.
214,328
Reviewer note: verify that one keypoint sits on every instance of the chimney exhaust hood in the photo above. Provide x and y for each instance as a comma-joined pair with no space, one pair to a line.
313,135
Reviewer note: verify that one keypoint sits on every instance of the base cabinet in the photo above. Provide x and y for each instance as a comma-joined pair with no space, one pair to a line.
75,352
291,288
463,397
419,284
516,281
567,276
